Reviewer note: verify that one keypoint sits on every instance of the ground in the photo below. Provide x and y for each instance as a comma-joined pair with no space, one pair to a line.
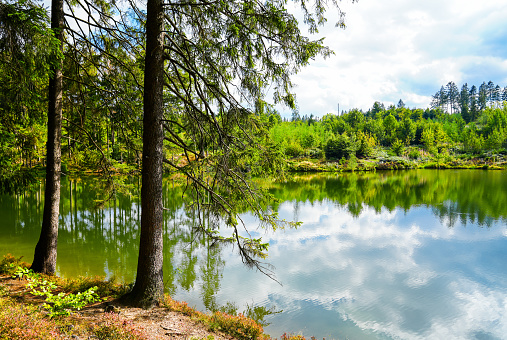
157,323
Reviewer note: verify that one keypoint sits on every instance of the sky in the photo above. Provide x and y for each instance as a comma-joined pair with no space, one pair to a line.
402,49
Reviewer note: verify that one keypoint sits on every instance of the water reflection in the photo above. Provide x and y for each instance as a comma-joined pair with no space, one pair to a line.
470,196
414,254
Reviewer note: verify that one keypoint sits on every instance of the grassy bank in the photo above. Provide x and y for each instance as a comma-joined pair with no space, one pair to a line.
413,158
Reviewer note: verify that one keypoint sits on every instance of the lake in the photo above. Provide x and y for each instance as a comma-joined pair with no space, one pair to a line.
412,254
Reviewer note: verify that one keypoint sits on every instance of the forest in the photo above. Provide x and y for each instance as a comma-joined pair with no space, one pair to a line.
103,109
396,137
129,91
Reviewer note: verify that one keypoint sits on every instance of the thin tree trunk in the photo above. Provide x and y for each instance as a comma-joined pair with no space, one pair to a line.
44,260
149,285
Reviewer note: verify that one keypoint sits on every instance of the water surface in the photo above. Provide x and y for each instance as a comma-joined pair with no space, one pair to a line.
389,255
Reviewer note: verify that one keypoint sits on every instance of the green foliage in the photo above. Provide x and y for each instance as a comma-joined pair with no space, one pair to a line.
472,142
60,304
428,140
368,136
367,144
28,49
341,146
414,153
390,126
496,139
293,150
398,147
308,140
354,119
406,130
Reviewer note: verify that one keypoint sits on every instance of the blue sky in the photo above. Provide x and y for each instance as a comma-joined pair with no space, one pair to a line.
402,49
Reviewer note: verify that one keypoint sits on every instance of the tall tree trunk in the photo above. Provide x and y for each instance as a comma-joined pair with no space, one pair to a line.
149,285
44,260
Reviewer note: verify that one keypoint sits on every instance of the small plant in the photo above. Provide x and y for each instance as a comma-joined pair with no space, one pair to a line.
22,272
398,147
9,263
286,336
238,326
60,304
413,154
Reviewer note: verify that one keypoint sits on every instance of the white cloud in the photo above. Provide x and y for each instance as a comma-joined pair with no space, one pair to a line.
397,49
385,273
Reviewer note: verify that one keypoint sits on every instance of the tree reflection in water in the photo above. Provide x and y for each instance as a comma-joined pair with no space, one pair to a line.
104,241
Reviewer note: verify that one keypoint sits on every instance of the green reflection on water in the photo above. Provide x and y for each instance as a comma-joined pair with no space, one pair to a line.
468,195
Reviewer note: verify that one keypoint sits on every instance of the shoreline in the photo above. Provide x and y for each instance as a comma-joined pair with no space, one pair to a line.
25,315
495,162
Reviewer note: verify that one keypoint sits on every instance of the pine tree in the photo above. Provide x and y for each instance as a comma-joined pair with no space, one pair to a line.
439,99
474,106
205,50
490,90
464,102
483,96
452,96
46,249
497,96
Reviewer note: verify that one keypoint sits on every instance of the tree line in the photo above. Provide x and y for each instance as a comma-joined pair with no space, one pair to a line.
469,101
401,131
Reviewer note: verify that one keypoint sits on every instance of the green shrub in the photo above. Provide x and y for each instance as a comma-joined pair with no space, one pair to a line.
294,150
367,144
60,304
398,147
341,146
413,154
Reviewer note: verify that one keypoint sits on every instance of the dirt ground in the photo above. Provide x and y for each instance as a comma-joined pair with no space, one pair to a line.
157,323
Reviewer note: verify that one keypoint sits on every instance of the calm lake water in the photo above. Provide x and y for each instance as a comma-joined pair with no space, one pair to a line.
390,255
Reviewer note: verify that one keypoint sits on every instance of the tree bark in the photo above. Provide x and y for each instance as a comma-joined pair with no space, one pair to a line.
149,285
44,260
